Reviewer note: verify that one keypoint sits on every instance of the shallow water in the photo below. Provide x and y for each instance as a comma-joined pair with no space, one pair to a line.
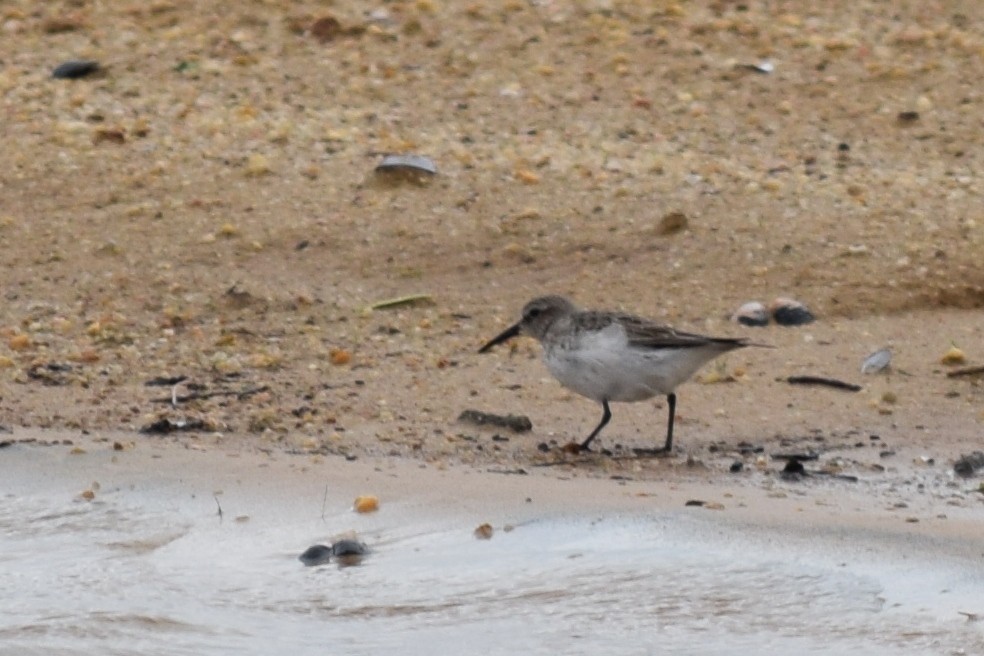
151,569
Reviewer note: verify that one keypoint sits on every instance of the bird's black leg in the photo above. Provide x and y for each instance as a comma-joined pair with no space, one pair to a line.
668,446
671,398
604,420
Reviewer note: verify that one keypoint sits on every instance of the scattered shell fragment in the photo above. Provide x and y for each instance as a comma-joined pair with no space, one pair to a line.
788,312
75,69
400,301
366,504
953,355
878,361
752,313
765,67
484,531
415,169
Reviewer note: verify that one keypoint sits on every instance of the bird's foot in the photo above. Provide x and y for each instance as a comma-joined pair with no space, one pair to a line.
573,448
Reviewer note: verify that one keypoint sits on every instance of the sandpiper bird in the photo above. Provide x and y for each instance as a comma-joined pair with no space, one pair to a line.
612,356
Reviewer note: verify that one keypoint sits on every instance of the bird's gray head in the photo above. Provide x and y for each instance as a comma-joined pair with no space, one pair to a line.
538,315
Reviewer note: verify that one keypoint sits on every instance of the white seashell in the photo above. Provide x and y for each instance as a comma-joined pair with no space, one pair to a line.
752,313
877,361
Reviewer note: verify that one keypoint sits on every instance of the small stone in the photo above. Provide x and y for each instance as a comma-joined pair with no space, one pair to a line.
484,531
527,177
672,223
257,165
318,554
907,118
366,504
969,464
339,356
953,356
347,548
326,28
19,342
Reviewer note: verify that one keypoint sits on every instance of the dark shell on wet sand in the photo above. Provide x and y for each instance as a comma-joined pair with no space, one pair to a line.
347,552
319,554
348,548
787,312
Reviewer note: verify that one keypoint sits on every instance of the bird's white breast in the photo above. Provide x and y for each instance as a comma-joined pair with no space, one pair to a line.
601,365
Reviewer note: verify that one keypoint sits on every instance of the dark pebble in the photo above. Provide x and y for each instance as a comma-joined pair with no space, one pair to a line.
74,69
969,464
736,466
319,554
348,548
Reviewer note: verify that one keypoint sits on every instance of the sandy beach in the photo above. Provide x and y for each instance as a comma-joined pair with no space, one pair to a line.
195,237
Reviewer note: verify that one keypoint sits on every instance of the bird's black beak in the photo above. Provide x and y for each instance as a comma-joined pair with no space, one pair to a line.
504,336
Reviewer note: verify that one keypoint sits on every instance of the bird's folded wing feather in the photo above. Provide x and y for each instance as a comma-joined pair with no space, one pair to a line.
642,333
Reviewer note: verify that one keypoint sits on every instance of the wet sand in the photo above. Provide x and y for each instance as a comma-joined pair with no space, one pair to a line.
596,563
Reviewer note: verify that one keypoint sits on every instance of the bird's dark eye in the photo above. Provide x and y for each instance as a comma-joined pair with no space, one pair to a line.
533,313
